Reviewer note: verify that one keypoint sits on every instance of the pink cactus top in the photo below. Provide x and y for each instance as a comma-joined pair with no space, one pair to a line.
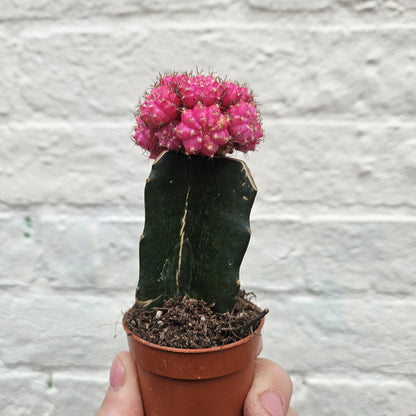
197,114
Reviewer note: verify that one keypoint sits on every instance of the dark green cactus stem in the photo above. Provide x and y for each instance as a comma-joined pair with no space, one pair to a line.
197,229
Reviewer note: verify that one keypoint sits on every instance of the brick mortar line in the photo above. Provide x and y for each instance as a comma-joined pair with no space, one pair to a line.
153,21
359,378
311,377
299,293
367,297
355,377
125,219
331,218
119,123
79,373
307,121
339,207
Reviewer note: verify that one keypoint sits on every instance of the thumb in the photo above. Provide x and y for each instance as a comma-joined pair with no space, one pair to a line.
123,396
270,391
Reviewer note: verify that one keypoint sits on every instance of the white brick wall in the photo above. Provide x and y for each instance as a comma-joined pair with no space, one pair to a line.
334,225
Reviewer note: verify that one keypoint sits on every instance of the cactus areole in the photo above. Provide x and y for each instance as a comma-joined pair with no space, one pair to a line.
197,200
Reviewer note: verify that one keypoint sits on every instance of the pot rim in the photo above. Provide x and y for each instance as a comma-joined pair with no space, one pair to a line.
257,332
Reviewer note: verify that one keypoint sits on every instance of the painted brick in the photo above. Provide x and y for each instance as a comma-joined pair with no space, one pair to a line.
68,252
51,393
24,393
62,330
314,73
7,69
19,251
78,164
340,335
345,13
283,11
43,9
117,253
66,383
394,7
309,168
371,395
302,168
290,5
89,252
337,74
332,257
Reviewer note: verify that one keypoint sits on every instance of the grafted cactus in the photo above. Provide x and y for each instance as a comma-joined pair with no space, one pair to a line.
197,200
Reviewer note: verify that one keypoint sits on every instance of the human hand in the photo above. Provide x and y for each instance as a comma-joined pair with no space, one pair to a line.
122,397
269,394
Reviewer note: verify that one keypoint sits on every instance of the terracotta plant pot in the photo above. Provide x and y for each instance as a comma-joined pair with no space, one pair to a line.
195,382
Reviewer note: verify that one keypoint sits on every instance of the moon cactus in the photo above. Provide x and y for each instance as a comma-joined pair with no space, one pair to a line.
197,199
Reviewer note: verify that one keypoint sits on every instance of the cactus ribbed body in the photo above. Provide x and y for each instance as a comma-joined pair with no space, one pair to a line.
196,229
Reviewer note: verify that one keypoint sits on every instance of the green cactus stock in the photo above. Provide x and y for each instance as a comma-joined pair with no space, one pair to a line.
196,231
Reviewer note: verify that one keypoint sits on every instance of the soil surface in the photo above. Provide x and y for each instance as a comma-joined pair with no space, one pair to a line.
190,323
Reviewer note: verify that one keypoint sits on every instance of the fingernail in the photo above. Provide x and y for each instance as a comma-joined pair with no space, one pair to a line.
272,403
117,374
